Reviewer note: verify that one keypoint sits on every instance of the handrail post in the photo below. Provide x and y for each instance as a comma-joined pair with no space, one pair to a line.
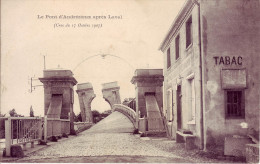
8,132
45,128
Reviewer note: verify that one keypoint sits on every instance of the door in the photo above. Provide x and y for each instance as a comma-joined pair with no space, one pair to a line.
179,101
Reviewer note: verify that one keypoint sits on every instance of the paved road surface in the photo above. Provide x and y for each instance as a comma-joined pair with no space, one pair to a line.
111,141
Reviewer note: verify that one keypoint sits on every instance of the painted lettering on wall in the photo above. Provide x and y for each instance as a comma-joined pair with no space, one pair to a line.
226,60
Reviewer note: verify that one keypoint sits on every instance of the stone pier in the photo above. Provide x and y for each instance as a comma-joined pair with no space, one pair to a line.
111,93
86,95
148,82
58,94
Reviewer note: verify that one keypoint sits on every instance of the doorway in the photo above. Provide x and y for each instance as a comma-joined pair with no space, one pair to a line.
179,102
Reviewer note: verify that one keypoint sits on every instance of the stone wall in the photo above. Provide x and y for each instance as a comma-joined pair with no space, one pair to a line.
230,30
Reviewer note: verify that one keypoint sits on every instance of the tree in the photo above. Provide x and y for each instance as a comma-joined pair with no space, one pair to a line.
77,118
95,113
13,113
96,116
106,113
31,112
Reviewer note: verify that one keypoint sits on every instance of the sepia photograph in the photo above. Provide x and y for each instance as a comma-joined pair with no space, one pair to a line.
129,81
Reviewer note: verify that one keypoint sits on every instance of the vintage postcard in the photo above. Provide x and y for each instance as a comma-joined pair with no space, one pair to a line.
129,81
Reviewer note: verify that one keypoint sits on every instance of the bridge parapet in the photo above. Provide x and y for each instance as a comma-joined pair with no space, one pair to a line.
129,112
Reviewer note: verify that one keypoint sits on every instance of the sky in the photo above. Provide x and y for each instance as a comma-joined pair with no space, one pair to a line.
32,29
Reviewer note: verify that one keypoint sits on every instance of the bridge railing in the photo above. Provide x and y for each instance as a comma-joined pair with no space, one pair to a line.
22,130
130,113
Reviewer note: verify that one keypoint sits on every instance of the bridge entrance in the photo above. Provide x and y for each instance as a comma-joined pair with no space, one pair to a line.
58,89
86,95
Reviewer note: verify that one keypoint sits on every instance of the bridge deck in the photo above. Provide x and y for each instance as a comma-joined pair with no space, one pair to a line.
114,123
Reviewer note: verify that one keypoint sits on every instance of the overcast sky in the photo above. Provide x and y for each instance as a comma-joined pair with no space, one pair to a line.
26,38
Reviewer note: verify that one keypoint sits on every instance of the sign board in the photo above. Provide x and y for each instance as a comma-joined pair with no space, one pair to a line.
233,78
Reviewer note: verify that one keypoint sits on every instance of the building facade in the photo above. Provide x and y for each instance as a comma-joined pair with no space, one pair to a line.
211,70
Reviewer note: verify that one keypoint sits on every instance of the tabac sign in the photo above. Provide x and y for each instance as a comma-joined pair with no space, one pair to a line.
226,60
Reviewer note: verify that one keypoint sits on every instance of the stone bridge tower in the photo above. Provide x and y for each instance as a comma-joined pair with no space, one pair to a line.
111,93
148,82
86,95
58,94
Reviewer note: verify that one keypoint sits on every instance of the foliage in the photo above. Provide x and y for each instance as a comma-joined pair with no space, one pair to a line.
77,118
97,116
106,113
13,113
95,113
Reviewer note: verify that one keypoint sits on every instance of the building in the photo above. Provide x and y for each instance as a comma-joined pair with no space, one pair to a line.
211,71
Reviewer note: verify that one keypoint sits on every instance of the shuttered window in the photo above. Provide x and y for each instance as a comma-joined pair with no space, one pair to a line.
177,47
189,32
168,58
235,107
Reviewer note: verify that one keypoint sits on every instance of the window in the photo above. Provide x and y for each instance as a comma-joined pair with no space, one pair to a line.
235,107
189,32
168,57
177,47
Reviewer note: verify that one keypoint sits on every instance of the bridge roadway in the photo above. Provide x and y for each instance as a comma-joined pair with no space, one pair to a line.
111,140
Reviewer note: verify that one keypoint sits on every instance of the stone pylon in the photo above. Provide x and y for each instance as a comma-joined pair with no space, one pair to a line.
111,93
148,82
59,94
86,95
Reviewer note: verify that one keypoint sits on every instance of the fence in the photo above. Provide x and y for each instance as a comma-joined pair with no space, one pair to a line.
22,130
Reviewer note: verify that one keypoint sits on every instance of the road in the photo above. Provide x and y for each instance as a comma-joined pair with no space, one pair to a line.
111,141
